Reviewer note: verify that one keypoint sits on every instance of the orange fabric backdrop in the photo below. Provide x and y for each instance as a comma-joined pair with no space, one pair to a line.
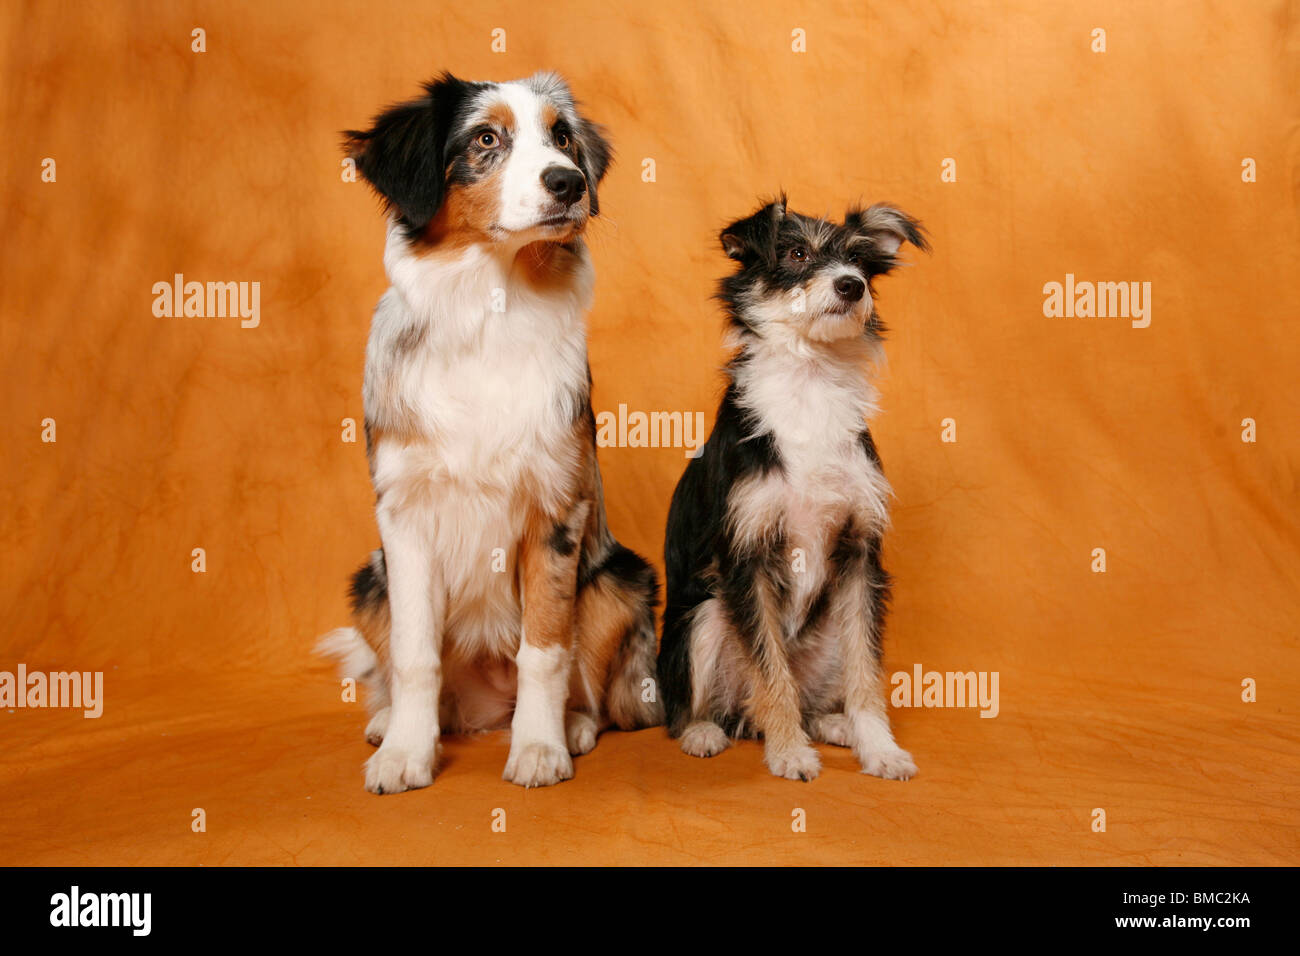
1119,690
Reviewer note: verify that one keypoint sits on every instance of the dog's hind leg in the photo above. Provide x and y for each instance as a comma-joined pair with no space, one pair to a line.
362,651
704,738
715,665
835,729
614,666
580,732
378,725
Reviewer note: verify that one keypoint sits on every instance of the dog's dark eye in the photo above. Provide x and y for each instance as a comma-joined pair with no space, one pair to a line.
561,139
798,254
488,140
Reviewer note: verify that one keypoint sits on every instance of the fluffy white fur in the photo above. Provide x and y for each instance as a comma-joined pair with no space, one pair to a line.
492,387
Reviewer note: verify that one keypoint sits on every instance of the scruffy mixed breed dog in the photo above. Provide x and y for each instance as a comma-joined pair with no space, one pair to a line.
776,594
499,589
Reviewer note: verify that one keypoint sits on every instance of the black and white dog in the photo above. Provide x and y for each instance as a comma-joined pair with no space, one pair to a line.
499,595
776,594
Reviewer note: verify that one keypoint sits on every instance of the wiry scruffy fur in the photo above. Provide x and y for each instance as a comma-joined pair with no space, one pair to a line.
499,596
776,594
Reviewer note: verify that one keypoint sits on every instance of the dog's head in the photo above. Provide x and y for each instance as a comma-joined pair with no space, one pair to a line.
811,277
488,162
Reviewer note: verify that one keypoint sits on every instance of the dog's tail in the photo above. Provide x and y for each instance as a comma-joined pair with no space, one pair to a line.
359,658
632,699
356,659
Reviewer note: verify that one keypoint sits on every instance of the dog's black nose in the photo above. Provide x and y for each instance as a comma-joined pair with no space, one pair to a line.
566,185
850,288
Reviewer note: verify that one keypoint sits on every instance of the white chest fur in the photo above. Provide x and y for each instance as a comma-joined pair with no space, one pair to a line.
816,406
474,376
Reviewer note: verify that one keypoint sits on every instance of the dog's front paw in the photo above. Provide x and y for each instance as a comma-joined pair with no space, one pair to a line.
889,764
392,769
538,765
799,762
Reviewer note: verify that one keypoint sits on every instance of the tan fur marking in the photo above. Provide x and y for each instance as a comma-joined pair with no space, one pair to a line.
774,695
468,215
374,626
547,266
548,579
501,116
604,616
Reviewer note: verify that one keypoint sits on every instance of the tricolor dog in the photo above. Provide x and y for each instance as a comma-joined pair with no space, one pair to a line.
499,595
776,594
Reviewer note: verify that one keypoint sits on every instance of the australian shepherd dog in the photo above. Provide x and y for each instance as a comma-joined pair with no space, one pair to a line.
499,596
776,594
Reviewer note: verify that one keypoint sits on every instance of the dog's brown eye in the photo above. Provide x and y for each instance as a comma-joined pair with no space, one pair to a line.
562,140
488,140
799,254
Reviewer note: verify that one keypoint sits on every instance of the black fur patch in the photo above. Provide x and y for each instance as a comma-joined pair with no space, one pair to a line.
404,154
369,590
594,156
562,541
869,446
629,570
697,539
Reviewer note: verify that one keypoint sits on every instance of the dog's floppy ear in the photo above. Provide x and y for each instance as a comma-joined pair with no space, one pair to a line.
404,153
755,236
887,228
594,156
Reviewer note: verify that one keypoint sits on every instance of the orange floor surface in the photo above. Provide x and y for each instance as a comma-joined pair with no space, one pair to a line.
1103,511
276,769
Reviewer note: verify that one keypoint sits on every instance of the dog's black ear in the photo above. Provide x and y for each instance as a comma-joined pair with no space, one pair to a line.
404,153
887,228
594,156
754,237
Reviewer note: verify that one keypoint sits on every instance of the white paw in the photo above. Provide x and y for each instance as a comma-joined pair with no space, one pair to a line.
377,728
833,729
579,732
538,765
704,739
890,764
392,769
799,762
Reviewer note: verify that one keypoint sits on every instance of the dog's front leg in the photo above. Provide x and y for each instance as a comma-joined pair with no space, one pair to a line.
859,610
774,699
416,600
548,574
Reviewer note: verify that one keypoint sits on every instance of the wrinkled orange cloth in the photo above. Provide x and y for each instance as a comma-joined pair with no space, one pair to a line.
1119,691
